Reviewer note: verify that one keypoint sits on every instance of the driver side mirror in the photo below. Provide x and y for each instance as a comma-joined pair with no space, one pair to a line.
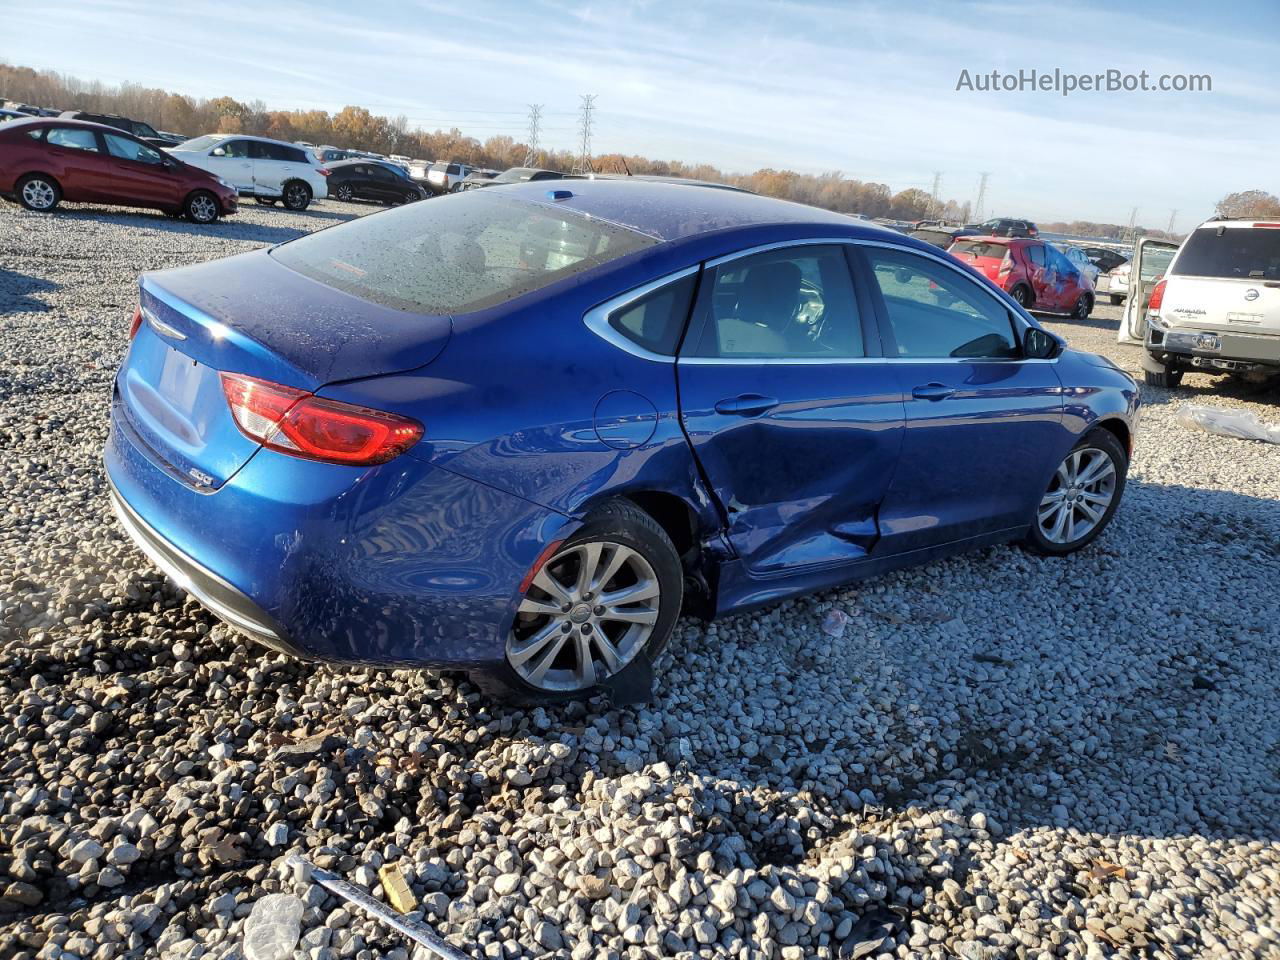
1038,344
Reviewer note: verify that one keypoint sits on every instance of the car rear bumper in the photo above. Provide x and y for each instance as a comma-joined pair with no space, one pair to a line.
1213,349
404,564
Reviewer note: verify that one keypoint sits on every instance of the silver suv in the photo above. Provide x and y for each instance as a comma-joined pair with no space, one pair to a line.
1218,307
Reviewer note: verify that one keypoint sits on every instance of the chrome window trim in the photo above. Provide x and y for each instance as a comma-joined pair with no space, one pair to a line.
597,318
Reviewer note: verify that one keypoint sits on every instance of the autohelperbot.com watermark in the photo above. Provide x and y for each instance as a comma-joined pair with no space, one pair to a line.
1065,82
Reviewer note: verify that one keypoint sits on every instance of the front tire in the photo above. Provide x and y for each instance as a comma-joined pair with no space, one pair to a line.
1082,496
297,195
265,201
609,597
1116,300
39,192
201,207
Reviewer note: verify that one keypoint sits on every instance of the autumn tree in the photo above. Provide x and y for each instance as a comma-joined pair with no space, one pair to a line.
1249,204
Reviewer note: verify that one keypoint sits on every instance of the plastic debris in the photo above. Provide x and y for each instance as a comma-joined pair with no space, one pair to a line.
272,929
398,893
834,622
415,930
1228,423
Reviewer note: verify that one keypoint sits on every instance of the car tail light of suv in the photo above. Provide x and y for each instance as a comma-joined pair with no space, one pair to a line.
301,424
1157,297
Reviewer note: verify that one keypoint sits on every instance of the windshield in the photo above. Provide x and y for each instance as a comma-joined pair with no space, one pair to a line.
1239,253
198,143
458,253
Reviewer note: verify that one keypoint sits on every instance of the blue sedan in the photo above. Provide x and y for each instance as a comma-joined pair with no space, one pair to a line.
517,431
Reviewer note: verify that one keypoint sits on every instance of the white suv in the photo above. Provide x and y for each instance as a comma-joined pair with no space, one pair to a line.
447,177
268,170
1218,307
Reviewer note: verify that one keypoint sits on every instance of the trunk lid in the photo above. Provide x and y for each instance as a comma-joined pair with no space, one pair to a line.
984,256
249,315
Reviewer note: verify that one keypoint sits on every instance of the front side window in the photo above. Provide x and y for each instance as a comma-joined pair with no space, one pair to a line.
935,312
234,148
128,149
73,139
458,254
797,302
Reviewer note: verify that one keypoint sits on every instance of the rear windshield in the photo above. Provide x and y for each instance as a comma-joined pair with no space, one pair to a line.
457,253
980,248
1240,253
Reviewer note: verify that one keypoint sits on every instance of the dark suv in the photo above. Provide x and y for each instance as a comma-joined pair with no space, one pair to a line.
143,131
1005,227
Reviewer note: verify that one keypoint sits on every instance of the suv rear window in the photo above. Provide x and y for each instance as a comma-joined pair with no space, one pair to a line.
457,254
1240,253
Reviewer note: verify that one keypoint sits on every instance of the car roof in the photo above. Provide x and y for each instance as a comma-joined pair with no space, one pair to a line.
249,136
672,211
68,122
1263,222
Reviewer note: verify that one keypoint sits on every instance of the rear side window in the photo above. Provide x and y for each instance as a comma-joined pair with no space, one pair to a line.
797,302
76,139
655,321
1239,253
128,149
457,254
1035,253
936,312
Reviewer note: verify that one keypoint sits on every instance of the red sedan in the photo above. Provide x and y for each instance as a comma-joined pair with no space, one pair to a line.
47,160
1032,272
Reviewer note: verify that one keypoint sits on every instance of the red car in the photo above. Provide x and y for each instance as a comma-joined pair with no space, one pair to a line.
47,160
1031,271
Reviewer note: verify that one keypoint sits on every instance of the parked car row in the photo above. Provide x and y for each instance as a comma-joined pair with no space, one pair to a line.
45,161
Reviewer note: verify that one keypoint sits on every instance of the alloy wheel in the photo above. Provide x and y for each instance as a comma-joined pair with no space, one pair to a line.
589,611
203,209
296,196
344,192
1078,497
39,194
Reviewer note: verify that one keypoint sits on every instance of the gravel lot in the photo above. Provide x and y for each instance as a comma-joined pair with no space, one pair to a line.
1002,756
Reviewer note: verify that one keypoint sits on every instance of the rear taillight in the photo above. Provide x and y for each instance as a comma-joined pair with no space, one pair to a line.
1157,297
303,425
1006,265
137,322
323,171
1268,226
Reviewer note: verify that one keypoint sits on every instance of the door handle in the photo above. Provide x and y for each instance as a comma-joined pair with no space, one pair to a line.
933,391
747,405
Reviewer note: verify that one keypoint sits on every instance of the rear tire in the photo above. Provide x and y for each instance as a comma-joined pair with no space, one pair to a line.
201,207
1168,378
554,653
38,192
265,201
1084,307
344,192
297,195
1021,295
1083,494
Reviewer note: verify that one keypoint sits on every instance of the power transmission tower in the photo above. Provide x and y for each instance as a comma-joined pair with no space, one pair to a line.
982,196
1133,218
584,159
535,123
933,194
1173,215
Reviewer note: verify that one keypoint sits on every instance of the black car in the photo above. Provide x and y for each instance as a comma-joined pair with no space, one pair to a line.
376,180
143,131
1105,260
1005,227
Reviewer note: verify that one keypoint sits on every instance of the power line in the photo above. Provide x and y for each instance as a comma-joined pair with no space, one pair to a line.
588,107
982,196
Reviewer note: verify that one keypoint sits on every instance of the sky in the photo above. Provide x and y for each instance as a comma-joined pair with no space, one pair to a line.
868,89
